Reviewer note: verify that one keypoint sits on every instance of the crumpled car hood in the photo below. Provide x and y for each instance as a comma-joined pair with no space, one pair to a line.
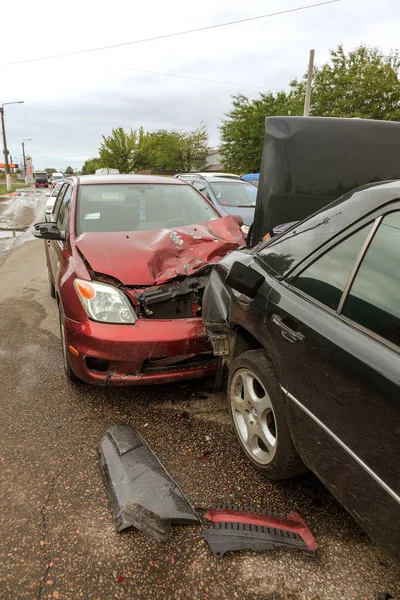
155,257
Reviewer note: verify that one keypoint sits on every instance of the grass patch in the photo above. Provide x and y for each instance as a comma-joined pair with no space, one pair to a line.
14,186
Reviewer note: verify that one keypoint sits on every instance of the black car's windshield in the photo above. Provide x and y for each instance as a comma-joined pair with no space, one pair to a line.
234,193
140,207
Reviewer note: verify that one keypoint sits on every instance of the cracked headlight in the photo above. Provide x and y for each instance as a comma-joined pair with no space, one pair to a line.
104,303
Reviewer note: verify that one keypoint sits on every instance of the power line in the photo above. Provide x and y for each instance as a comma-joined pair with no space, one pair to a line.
169,35
258,87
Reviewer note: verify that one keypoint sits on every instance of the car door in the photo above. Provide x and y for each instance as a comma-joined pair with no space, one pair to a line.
57,248
336,326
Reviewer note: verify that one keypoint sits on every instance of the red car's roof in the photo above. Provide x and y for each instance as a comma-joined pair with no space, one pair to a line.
103,179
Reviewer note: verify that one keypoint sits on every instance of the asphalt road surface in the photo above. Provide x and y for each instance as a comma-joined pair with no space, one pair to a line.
57,535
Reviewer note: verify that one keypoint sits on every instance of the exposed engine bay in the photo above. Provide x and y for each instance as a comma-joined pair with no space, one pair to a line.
180,300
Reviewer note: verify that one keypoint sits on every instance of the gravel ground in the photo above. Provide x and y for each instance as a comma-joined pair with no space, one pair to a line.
58,539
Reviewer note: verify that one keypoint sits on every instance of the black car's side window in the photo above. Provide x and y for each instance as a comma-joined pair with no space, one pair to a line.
326,278
374,297
62,216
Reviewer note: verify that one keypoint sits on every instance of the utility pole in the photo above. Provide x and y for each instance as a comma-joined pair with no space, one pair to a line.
23,154
7,168
309,84
5,151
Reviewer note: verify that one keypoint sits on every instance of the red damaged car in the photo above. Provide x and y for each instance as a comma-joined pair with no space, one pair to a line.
128,258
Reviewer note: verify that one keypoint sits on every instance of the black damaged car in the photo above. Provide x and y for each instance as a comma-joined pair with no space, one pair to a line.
309,325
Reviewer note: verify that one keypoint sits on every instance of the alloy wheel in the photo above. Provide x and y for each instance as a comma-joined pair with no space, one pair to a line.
253,416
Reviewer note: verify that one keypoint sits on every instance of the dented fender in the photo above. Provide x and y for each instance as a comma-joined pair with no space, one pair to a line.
220,302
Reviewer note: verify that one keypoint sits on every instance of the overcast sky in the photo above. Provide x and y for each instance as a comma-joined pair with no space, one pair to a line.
71,102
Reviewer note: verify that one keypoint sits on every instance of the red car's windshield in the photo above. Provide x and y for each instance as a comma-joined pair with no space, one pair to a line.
139,207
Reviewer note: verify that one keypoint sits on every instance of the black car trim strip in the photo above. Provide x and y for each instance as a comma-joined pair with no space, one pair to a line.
370,333
343,445
357,264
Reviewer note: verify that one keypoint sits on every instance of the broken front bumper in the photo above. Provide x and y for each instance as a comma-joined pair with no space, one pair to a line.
141,492
129,354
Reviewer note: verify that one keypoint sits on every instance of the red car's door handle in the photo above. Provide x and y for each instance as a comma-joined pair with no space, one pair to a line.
287,332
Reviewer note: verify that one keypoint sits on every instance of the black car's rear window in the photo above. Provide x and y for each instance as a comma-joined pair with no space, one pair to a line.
139,207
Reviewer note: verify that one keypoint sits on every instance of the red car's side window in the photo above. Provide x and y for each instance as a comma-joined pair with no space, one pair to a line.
59,198
62,217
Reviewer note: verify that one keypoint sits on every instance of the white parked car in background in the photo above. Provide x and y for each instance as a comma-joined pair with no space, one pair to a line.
107,172
207,174
56,178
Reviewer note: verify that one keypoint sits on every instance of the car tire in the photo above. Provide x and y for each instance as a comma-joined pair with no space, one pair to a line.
257,408
67,365
52,289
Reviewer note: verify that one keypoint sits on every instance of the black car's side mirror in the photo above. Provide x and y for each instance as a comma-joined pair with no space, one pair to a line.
47,231
244,279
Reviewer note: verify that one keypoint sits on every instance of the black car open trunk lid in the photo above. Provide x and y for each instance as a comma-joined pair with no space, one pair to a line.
308,162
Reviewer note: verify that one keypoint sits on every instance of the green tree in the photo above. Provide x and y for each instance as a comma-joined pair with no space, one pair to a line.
90,166
363,83
146,150
50,171
242,133
193,149
69,171
173,150
118,150
168,150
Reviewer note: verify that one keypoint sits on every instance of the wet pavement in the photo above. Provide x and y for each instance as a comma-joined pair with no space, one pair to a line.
17,212
57,535
9,233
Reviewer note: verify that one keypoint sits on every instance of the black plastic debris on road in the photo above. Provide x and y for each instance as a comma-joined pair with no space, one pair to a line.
231,537
141,492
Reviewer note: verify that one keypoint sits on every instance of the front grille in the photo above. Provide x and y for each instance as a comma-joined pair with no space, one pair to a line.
196,362
178,308
97,364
